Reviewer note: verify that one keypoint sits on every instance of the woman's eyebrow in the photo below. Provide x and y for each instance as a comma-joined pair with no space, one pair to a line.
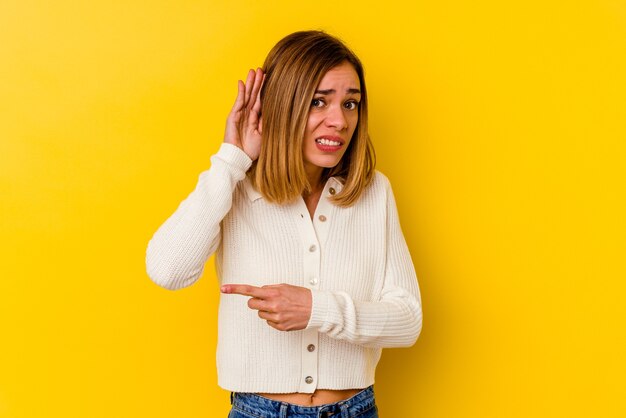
331,91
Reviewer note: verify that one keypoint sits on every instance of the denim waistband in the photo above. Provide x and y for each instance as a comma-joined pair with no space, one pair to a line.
257,405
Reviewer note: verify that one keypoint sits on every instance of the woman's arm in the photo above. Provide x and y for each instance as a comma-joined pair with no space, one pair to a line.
178,251
395,320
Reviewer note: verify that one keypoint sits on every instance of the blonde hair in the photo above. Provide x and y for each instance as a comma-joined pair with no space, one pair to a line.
293,70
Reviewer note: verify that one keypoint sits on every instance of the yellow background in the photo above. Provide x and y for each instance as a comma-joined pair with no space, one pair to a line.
500,124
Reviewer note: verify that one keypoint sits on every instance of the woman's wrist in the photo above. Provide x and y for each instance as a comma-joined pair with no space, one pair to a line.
234,156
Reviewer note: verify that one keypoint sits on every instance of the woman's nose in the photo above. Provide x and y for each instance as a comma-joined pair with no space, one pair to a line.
336,118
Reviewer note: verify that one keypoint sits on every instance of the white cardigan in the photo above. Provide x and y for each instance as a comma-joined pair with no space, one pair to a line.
355,261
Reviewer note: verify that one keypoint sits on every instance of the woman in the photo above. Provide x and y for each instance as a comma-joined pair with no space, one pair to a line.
316,275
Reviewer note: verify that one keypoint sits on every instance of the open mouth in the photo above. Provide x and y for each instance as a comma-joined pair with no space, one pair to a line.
328,142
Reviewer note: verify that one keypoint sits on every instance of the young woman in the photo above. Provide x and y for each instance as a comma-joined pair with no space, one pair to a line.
316,277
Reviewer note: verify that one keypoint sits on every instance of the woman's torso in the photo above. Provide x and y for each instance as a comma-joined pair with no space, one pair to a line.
339,250
320,396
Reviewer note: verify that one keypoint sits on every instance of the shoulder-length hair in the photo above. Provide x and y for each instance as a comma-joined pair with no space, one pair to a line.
293,70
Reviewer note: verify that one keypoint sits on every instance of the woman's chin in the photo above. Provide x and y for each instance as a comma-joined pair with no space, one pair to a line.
325,161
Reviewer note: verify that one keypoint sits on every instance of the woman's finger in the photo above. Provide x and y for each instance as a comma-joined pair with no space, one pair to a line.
258,304
254,117
256,107
238,105
256,88
273,324
249,84
268,316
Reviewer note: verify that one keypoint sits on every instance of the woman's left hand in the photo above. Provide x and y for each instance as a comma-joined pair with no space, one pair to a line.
284,306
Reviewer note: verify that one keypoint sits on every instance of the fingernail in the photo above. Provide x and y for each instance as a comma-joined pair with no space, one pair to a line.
224,289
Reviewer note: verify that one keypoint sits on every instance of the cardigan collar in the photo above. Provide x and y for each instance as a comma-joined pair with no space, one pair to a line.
253,194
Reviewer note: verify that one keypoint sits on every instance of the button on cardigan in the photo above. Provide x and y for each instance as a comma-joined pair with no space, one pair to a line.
354,260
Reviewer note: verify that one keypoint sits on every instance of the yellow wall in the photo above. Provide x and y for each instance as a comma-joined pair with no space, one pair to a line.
500,124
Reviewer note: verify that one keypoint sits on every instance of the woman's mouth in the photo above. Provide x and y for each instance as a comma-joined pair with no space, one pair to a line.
328,145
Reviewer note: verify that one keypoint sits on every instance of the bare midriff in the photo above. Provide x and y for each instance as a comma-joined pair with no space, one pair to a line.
319,397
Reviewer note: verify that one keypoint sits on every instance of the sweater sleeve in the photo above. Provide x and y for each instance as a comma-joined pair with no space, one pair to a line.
395,320
179,249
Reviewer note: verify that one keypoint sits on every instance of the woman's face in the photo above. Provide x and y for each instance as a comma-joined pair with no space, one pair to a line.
332,118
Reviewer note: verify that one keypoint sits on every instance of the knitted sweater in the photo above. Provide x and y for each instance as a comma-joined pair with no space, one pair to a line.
355,261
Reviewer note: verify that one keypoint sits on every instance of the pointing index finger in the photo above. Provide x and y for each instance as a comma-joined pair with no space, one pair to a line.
243,289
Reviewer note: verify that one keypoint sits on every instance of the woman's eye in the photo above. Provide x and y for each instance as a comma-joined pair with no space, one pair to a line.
317,103
351,105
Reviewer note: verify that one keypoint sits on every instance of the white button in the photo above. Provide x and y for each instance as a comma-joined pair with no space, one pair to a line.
313,281
322,218
312,248
311,348
308,379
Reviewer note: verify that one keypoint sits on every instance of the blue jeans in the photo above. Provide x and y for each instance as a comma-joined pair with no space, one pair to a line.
250,405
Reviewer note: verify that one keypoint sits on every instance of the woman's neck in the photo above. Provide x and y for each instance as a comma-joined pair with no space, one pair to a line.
314,175
312,197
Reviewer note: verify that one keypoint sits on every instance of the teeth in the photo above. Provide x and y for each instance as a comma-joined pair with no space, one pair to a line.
325,141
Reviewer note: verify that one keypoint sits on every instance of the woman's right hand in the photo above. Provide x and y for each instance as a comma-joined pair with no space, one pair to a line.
243,126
